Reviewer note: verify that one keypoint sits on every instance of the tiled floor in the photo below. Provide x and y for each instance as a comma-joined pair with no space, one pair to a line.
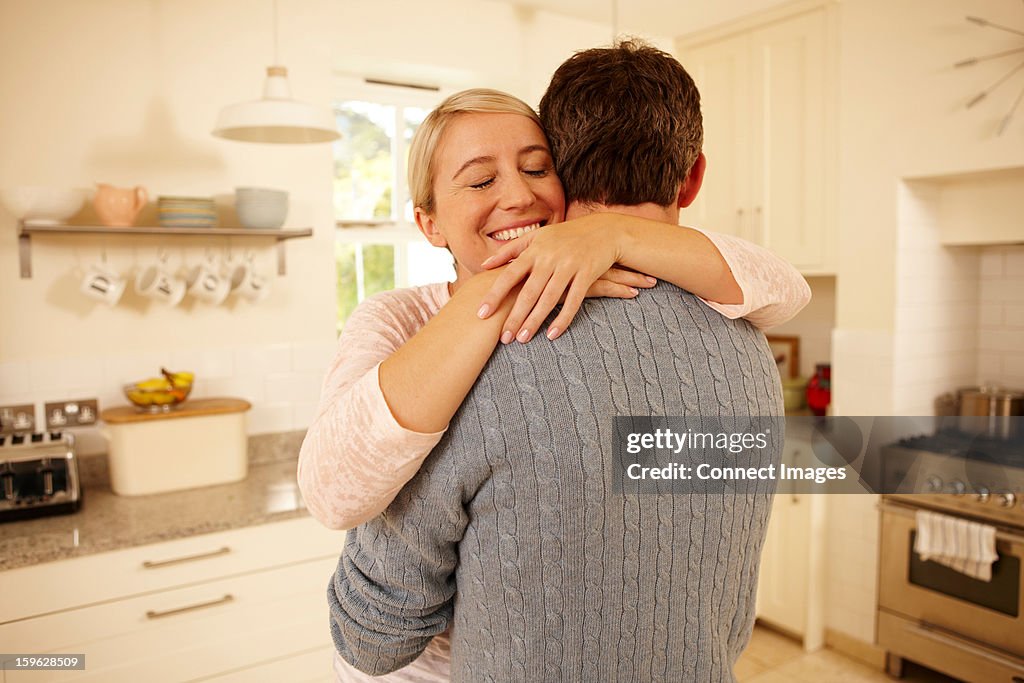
775,658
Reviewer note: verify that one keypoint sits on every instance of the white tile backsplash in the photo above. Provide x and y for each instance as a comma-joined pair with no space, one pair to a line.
210,364
1013,370
294,386
14,377
952,331
1013,263
303,413
124,369
314,356
267,418
991,263
268,360
58,375
1013,315
282,381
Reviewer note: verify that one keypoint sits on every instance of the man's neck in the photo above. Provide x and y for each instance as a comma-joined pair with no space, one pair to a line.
665,214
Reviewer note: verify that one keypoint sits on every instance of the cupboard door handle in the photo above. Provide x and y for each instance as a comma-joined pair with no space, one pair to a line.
154,614
188,558
739,222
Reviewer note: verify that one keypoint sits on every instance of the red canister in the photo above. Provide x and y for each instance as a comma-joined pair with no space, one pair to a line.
819,389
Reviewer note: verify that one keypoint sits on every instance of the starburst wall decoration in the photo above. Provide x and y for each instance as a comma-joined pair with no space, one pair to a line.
985,23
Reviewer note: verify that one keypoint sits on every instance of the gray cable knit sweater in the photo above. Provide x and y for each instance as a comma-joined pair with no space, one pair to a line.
512,535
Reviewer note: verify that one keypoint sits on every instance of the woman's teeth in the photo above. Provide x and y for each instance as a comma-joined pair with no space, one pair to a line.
512,233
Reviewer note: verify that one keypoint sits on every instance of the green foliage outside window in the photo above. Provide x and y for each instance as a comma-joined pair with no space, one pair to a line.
363,167
378,274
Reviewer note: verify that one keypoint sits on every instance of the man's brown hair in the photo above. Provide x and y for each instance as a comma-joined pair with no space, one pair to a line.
624,125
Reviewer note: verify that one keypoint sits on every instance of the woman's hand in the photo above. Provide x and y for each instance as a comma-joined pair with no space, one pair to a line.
564,262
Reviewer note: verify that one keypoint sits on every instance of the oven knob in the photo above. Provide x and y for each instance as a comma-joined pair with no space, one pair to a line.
1007,499
957,488
982,495
934,485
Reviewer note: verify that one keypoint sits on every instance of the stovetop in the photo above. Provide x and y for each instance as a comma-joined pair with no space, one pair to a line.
957,444
958,473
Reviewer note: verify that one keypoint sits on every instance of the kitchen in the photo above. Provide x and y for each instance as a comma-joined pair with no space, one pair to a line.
127,93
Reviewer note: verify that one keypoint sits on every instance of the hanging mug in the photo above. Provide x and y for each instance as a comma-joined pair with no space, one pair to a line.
247,282
157,283
208,285
103,284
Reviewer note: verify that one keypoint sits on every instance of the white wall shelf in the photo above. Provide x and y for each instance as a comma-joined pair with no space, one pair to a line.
26,229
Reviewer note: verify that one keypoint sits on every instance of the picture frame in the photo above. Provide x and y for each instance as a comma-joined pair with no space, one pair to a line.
786,350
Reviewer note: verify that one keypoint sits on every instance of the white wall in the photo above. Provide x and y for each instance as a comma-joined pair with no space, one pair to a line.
814,325
126,92
902,114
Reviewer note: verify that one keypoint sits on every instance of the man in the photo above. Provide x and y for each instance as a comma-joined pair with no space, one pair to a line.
515,533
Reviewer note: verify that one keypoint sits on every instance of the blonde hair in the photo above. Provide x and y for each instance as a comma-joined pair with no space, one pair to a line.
428,135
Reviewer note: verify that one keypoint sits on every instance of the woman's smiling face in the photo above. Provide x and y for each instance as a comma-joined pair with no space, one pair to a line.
493,181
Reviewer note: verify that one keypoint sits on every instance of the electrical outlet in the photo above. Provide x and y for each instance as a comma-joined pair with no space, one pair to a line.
17,419
63,414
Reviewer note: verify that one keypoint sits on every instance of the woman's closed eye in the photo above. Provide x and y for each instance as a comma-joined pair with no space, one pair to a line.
532,172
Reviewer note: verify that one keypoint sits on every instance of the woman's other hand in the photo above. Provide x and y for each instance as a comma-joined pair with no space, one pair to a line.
566,263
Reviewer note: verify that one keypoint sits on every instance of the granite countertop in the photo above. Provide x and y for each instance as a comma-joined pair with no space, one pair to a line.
108,522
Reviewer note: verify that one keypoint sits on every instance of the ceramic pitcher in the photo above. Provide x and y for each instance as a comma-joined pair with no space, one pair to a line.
118,206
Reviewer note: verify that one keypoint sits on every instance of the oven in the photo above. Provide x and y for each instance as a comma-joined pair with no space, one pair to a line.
963,626
932,614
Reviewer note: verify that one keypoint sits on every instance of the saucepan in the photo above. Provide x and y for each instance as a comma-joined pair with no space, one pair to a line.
982,409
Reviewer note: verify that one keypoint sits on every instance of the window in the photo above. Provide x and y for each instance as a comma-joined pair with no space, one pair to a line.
378,246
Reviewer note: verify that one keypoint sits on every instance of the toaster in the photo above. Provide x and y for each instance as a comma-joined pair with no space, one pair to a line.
38,475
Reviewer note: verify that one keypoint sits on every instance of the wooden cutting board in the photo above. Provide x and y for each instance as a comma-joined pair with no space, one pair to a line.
192,408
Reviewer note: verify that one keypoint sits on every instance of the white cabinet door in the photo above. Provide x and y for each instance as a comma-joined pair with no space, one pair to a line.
789,156
309,667
769,138
781,587
791,580
721,71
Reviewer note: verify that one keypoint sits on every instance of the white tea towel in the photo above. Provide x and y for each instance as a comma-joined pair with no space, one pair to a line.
968,547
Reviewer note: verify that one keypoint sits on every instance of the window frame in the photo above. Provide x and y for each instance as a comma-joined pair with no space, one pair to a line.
396,231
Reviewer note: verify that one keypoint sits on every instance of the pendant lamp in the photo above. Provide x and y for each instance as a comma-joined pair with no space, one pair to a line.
276,118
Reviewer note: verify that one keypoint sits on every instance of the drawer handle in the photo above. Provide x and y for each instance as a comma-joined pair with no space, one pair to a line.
188,558
154,614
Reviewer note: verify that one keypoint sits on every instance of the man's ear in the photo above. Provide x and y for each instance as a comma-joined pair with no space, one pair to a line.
428,226
691,186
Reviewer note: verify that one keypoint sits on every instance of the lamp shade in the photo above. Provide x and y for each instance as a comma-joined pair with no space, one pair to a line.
276,118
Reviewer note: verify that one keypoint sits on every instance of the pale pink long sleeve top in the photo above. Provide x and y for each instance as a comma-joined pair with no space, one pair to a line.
356,456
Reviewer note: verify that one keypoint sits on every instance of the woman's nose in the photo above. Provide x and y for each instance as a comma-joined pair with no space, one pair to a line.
518,194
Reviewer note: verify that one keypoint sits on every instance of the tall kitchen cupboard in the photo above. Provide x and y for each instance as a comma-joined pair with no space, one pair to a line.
770,132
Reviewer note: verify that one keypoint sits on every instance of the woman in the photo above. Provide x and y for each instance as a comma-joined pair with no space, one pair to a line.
481,176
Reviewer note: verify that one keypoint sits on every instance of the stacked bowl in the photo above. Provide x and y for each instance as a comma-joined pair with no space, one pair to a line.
261,208
187,212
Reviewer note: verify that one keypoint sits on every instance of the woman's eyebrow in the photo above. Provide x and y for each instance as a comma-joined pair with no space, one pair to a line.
487,159
534,148
474,160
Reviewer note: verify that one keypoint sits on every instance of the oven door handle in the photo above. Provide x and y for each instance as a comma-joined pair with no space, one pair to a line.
1002,534
938,634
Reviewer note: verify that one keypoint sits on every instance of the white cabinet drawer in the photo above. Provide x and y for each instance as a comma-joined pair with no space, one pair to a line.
310,667
269,615
55,586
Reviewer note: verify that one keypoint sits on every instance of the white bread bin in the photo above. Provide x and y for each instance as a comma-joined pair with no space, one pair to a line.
201,443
